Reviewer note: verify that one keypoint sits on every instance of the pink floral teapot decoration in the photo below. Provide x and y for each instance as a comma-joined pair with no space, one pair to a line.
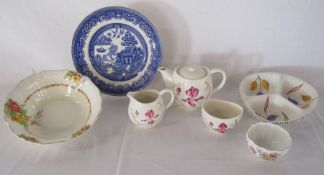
191,84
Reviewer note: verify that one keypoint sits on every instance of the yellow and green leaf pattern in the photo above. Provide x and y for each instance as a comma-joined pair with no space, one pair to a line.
16,113
265,85
303,100
306,98
254,85
81,131
28,138
260,84
73,76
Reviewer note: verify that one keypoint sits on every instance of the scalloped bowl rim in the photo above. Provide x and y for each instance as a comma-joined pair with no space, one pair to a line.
91,119
273,126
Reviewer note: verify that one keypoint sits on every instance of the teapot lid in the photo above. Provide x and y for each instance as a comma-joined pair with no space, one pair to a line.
192,71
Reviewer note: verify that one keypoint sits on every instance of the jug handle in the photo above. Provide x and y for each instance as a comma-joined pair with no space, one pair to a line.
164,91
222,83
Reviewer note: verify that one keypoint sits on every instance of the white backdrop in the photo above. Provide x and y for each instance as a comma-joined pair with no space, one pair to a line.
237,36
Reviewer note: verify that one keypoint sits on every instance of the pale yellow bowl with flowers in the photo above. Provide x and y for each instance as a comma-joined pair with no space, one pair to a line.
52,106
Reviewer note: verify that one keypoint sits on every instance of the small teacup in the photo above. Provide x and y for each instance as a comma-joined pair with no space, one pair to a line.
268,141
221,116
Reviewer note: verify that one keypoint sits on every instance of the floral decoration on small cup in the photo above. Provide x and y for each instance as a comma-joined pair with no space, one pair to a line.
221,116
268,141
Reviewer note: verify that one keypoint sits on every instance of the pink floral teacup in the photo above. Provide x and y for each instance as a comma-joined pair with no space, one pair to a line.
146,108
221,116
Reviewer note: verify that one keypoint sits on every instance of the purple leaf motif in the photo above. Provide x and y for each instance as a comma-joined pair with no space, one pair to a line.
272,117
293,101
260,93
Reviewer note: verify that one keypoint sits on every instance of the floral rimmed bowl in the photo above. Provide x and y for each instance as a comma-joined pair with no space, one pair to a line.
277,98
52,106
268,141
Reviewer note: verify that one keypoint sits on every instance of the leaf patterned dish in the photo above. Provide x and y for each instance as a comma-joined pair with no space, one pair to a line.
52,106
277,98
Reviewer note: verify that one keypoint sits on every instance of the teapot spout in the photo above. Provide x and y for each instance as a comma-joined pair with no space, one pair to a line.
167,76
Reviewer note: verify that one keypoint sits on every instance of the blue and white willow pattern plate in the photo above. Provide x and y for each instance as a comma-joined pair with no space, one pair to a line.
118,49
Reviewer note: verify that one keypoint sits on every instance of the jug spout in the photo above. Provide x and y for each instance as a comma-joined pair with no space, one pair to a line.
167,76
131,95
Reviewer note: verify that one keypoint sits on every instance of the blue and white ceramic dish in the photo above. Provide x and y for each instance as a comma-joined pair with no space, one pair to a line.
118,49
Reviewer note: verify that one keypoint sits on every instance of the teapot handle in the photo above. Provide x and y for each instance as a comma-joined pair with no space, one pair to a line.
222,83
164,91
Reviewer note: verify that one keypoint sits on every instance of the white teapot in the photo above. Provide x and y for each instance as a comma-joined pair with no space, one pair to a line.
191,84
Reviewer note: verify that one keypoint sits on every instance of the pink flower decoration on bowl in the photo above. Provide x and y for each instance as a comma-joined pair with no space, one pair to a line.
222,128
178,90
192,98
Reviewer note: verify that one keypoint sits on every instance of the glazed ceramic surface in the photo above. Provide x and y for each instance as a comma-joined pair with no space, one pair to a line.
118,48
52,106
268,141
146,108
191,84
277,98
221,116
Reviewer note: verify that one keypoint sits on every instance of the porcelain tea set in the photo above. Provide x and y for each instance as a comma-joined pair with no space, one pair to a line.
191,84
117,51
146,108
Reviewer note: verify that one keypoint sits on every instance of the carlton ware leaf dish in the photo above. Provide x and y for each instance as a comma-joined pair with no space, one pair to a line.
52,106
118,48
277,98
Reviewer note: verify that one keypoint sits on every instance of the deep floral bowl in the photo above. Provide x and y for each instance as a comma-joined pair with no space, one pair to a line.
52,106
268,141
221,116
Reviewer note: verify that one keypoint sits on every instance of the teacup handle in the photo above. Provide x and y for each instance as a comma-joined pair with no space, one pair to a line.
222,83
164,91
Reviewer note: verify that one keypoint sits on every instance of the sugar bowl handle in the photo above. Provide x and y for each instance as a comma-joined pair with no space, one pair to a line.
165,91
222,83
